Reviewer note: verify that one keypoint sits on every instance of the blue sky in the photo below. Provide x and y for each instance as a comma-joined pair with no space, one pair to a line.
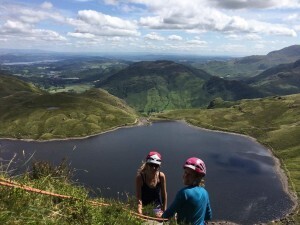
198,27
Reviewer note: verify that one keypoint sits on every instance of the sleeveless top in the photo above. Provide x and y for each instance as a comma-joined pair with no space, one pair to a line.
151,195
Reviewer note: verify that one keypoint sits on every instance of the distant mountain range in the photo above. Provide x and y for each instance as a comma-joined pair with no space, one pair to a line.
154,86
164,85
283,79
250,66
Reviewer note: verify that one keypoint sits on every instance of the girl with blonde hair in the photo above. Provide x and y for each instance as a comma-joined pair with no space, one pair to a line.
151,184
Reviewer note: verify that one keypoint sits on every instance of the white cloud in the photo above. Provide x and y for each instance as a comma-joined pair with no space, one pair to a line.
154,36
175,37
254,4
115,39
24,30
191,16
30,15
251,37
48,35
15,27
20,22
196,42
111,2
81,35
97,23
102,20
151,23
297,27
46,5
292,17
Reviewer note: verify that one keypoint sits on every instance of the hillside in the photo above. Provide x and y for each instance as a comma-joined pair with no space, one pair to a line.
281,80
60,71
10,85
56,200
27,112
155,86
273,121
250,66
230,89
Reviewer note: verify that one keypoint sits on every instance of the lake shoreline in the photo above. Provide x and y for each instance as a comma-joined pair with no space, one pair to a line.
136,123
278,166
283,177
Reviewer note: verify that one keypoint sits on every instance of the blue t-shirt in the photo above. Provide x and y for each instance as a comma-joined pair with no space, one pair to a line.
191,205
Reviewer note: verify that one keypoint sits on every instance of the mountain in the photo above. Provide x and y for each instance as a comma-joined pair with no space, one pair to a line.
10,85
250,66
155,86
27,112
230,89
280,80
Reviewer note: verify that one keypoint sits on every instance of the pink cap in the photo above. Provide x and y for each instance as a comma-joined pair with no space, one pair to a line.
195,164
153,157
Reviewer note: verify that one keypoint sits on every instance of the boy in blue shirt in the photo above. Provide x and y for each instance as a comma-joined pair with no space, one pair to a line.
192,202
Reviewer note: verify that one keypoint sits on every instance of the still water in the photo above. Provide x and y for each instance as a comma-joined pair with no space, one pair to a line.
241,178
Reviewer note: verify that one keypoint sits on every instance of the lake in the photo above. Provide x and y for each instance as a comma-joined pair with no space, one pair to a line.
241,174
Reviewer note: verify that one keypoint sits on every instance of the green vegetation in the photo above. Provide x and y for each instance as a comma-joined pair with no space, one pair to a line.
18,206
75,88
235,68
273,121
250,66
32,114
282,80
163,85
157,86
63,72
10,85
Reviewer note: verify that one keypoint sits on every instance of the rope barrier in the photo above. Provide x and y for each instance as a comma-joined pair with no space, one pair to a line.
9,183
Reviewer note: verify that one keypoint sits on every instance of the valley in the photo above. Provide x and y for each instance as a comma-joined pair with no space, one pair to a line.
62,97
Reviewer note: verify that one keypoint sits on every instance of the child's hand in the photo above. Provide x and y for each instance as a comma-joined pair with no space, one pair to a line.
158,212
159,215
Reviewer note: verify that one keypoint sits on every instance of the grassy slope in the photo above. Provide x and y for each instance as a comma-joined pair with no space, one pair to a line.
273,121
37,115
10,85
20,207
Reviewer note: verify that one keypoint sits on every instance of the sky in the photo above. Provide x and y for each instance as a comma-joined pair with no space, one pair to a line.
196,27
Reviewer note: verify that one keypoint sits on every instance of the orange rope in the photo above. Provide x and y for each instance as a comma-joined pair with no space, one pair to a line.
8,183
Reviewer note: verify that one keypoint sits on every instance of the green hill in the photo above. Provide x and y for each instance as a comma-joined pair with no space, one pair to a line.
230,89
155,86
27,112
250,66
273,121
280,80
10,85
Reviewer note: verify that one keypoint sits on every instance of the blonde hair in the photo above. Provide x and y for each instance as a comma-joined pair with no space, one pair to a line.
142,168
199,181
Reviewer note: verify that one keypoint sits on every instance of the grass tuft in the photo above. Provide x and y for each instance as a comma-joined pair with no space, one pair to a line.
18,206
